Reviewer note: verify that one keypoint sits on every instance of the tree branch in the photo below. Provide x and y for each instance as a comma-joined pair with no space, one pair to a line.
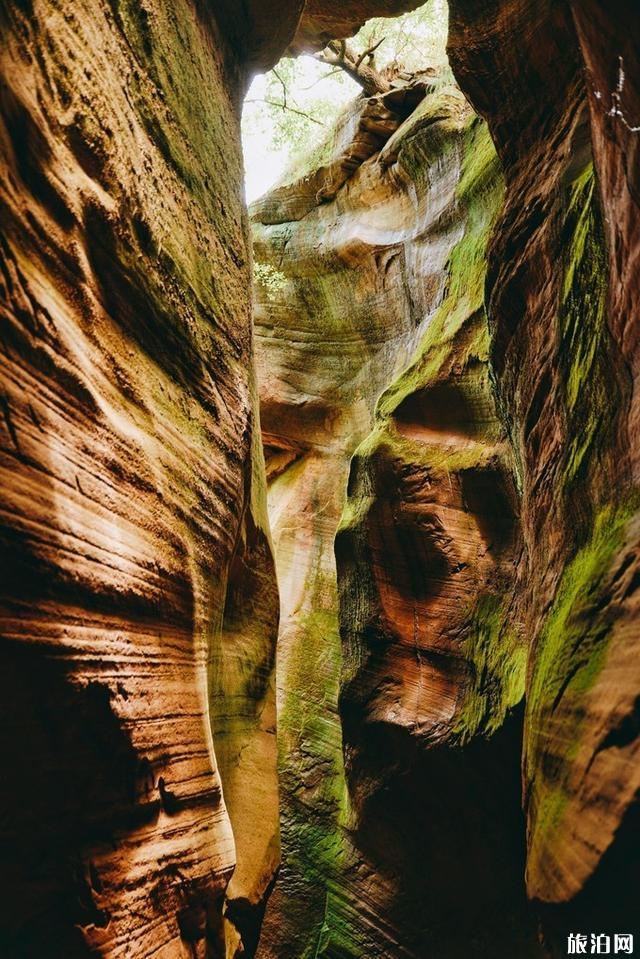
369,53
285,106
325,76
283,85
337,53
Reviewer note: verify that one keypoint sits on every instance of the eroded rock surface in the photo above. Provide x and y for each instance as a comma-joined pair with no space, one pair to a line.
562,298
132,479
139,603
465,421
487,553
373,281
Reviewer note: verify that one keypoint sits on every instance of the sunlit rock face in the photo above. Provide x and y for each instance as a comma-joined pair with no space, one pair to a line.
433,670
487,561
370,295
139,602
558,85
487,525
139,608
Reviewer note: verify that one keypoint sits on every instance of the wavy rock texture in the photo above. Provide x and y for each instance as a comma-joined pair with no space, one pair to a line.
486,584
562,296
139,603
133,502
432,665
487,558
358,282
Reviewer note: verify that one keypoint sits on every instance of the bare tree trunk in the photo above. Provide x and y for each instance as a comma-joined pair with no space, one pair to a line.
360,68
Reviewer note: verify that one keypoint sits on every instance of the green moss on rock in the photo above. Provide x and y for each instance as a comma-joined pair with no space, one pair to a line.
479,192
571,654
583,328
498,660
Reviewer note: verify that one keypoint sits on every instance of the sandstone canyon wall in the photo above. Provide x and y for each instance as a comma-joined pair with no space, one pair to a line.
139,603
487,551
446,344
134,530
371,338
562,296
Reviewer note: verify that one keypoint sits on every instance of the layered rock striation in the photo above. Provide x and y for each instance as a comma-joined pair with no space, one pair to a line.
134,528
371,339
446,342
559,91
139,603
487,549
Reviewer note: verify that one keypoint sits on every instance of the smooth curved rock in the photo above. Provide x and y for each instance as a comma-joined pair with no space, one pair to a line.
562,293
139,607
139,603
386,273
487,556
132,478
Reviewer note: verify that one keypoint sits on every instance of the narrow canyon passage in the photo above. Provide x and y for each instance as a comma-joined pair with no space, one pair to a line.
319,521
368,282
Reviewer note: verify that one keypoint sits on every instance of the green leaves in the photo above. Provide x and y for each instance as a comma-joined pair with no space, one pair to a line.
291,108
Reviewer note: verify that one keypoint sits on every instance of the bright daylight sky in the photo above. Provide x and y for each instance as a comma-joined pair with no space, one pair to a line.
263,165
419,38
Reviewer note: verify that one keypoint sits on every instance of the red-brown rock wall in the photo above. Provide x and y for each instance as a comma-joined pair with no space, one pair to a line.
129,484
491,512
562,292
376,403
139,604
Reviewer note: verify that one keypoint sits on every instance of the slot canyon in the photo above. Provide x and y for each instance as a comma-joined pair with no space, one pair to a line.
320,529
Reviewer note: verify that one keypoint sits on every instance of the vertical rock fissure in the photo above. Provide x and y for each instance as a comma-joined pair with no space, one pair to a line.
398,671
445,356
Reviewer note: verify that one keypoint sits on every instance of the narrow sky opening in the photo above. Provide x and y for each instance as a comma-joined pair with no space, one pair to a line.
291,109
